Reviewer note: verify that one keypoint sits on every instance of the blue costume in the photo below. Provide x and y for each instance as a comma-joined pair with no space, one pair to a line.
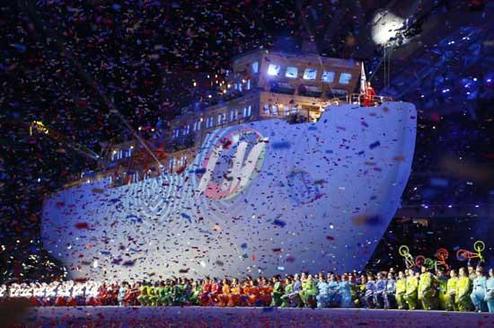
370,288
379,293
478,293
389,295
322,294
489,294
334,299
345,290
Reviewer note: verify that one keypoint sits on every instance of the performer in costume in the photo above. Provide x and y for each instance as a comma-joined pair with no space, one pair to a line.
489,291
389,295
265,290
277,291
369,94
360,292
478,291
463,287
235,293
294,297
121,293
412,282
370,290
285,299
322,292
442,288
254,293
308,292
144,296
131,295
215,291
224,296
345,290
451,291
333,292
195,291
380,291
471,272
426,291
206,290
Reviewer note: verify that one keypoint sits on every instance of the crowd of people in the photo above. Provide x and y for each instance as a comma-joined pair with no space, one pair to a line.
469,289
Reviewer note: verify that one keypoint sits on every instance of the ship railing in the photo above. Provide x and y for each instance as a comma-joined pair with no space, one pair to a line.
358,99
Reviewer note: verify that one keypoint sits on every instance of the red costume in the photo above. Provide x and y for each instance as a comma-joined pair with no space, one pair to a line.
368,96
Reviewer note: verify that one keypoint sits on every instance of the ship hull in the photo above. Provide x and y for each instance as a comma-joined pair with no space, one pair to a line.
264,197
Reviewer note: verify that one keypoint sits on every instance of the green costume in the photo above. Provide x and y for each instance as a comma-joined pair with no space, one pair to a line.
463,287
308,292
194,295
442,284
451,294
276,294
426,292
285,299
177,293
153,295
411,292
165,295
143,298
401,289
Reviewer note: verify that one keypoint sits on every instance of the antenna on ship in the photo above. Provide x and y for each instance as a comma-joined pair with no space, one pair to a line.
363,80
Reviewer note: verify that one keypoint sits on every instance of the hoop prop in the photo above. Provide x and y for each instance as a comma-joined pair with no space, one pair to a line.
464,254
442,255
404,251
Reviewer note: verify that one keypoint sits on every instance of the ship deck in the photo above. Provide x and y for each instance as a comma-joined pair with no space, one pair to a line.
114,316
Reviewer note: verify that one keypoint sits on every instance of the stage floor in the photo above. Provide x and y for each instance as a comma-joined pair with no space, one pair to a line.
113,316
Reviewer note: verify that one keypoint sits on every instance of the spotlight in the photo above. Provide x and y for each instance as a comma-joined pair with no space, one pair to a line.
385,27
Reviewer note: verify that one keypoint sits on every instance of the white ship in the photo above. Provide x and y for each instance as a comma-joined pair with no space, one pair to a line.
291,175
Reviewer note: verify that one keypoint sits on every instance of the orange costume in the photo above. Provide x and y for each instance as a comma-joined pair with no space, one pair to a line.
252,293
235,292
224,297
265,294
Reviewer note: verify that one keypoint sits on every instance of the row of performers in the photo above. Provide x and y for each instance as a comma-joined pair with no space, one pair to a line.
409,289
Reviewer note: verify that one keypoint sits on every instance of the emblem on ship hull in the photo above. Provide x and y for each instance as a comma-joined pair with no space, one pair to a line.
231,162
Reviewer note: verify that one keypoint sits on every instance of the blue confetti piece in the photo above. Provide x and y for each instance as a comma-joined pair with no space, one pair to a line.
281,145
279,223
374,145
186,216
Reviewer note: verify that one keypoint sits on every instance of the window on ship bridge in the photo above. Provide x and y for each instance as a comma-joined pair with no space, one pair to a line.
345,78
327,77
274,70
255,67
310,74
291,72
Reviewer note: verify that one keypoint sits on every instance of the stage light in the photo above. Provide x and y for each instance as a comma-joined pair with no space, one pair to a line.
385,26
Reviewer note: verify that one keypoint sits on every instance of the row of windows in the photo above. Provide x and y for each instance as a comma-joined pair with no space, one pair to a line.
276,110
177,162
308,74
213,121
121,153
